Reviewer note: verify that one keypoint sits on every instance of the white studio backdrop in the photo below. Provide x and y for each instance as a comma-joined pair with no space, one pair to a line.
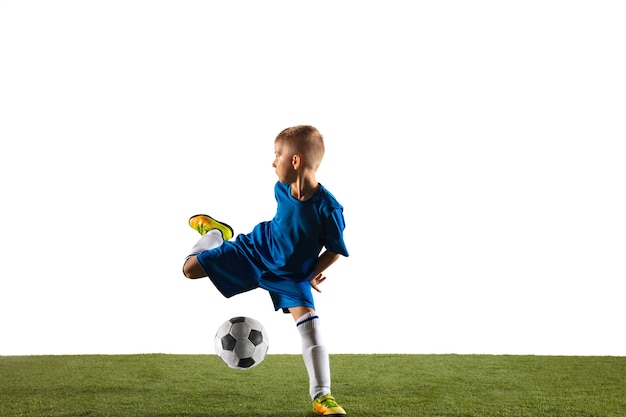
478,149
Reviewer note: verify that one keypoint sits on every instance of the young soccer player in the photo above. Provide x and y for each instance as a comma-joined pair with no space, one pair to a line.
285,256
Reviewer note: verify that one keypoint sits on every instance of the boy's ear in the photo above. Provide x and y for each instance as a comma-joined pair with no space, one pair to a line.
296,161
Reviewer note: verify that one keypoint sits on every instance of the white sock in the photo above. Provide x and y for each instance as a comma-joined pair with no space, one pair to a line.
315,355
211,240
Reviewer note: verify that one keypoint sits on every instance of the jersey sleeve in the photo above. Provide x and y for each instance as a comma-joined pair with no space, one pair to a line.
334,227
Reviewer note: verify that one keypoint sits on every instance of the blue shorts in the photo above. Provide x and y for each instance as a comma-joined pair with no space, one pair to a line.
233,270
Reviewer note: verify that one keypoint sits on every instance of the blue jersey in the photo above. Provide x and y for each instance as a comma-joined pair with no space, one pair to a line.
289,245
280,255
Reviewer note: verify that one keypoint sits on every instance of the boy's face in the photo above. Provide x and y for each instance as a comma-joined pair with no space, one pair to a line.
283,163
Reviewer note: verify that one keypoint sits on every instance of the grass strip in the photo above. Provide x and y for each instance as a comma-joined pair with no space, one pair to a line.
159,385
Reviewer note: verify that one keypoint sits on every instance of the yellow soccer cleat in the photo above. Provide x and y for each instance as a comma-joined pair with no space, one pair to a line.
327,406
203,223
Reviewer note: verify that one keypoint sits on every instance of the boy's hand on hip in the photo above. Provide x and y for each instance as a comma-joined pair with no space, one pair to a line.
317,280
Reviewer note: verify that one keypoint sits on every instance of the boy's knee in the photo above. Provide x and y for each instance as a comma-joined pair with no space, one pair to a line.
186,273
192,269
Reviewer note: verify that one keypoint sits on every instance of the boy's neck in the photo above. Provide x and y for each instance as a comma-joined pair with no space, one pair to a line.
304,187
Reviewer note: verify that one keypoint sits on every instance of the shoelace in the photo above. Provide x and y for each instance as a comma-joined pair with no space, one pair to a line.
329,402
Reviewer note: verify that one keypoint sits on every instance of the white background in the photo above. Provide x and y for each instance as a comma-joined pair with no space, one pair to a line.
478,148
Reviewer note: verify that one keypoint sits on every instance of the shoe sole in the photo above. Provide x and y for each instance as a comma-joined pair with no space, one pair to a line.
230,229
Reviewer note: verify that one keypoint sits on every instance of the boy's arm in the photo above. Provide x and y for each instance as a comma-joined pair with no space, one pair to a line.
326,259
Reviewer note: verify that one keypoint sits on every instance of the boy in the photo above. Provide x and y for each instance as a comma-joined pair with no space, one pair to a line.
283,255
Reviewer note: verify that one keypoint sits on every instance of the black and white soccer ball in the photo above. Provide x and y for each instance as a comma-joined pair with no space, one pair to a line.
241,342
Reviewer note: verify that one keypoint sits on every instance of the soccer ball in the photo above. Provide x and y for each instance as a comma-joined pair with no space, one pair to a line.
241,343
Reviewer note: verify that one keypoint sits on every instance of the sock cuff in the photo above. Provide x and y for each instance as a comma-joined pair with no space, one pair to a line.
211,240
307,320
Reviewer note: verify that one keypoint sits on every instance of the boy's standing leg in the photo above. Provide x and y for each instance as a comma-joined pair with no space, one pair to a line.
316,360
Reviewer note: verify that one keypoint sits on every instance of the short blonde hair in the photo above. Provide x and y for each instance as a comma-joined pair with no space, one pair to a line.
305,140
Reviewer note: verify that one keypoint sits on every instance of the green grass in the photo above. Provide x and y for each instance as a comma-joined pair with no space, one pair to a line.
366,385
